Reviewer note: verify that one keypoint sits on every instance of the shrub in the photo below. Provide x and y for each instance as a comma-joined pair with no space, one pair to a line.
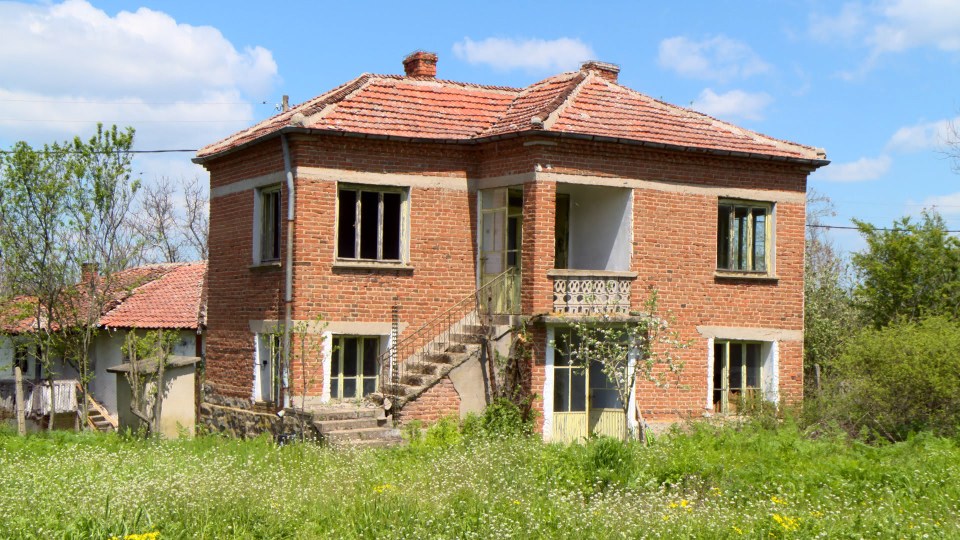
898,380
502,418
444,433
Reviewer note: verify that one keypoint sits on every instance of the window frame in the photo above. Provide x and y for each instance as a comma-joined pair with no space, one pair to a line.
744,388
732,244
260,229
337,364
403,234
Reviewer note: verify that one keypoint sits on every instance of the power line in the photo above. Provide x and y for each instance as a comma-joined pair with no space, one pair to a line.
165,151
851,228
81,102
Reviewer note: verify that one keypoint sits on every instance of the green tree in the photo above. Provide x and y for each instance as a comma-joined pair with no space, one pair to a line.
63,206
908,272
37,260
900,379
99,209
829,315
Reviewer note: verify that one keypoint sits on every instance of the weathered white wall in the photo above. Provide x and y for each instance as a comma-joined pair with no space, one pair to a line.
600,227
108,352
177,412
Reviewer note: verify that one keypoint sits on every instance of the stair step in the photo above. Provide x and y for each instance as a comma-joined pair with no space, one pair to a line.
333,414
327,426
376,443
375,433
466,338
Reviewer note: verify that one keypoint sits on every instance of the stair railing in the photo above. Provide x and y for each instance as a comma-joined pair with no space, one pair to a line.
408,357
94,405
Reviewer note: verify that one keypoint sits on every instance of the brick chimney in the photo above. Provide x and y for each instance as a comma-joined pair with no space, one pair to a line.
421,64
89,272
604,69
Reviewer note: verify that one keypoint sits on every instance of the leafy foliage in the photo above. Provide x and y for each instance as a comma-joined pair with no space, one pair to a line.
899,380
908,272
502,418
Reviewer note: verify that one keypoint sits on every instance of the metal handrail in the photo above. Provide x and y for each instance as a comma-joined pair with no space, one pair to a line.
405,359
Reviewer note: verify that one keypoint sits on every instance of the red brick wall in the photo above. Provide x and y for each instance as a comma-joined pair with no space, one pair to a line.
440,400
674,241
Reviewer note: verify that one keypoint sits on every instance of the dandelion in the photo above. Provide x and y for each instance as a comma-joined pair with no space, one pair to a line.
145,536
382,488
738,530
788,523
777,500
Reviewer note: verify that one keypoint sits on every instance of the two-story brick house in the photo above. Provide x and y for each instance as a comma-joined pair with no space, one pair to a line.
578,194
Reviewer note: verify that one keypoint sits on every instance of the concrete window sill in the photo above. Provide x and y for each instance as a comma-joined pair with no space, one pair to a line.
747,276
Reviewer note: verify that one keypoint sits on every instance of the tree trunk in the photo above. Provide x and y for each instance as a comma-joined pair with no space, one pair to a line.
641,427
53,403
158,400
21,421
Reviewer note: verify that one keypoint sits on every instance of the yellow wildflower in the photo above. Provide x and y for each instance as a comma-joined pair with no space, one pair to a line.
788,523
777,500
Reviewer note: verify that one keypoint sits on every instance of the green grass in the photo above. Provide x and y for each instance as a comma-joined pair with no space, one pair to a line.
710,483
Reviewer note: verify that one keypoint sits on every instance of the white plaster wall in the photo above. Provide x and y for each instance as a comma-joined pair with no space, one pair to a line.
6,358
600,223
108,352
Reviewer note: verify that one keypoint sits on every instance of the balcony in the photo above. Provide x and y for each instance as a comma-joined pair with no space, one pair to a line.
591,292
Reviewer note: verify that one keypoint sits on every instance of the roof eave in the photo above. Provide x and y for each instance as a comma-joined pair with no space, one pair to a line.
810,162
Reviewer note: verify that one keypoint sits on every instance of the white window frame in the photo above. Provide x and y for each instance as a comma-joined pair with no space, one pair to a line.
769,379
259,222
404,233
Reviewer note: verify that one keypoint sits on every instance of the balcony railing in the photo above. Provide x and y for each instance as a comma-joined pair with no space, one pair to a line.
591,292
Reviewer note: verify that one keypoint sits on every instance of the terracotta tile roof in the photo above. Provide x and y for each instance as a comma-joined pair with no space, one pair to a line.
171,300
581,103
153,296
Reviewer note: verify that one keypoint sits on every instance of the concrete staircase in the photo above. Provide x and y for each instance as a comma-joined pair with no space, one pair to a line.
359,427
437,360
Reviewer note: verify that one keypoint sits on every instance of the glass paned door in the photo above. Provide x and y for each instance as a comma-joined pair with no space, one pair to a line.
354,372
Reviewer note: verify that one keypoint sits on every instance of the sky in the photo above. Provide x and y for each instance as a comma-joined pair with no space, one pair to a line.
876,82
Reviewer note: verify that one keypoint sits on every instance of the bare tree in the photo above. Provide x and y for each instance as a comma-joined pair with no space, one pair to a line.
173,220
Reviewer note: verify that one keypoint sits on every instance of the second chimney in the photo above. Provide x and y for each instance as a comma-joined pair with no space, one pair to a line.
421,64
604,69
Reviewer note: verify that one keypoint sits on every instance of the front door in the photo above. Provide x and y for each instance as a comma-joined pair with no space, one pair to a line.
501,221
585,402
268,362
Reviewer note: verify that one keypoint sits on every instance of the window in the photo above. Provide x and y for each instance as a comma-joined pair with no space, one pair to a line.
267,231
354,368
744,234
737,374
369,223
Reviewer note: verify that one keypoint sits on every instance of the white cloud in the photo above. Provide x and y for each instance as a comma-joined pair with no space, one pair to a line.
66,66
890,26
947,205
732,104
718,58
855,171
925,136
915,23
529,54
847,24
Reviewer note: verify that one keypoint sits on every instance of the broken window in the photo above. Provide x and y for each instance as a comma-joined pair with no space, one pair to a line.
268,208
354,369
369,224
737,374
744,232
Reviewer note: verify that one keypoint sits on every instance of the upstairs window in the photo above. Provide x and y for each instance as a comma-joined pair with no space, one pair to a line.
369,224
267,210
744,236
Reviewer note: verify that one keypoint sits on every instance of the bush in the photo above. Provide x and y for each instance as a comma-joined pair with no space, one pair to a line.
899,380
502,418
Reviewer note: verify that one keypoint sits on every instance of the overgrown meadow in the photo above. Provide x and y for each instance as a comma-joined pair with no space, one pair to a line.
707,482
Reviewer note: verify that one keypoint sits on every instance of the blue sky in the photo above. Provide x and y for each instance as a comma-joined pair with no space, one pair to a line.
876,83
